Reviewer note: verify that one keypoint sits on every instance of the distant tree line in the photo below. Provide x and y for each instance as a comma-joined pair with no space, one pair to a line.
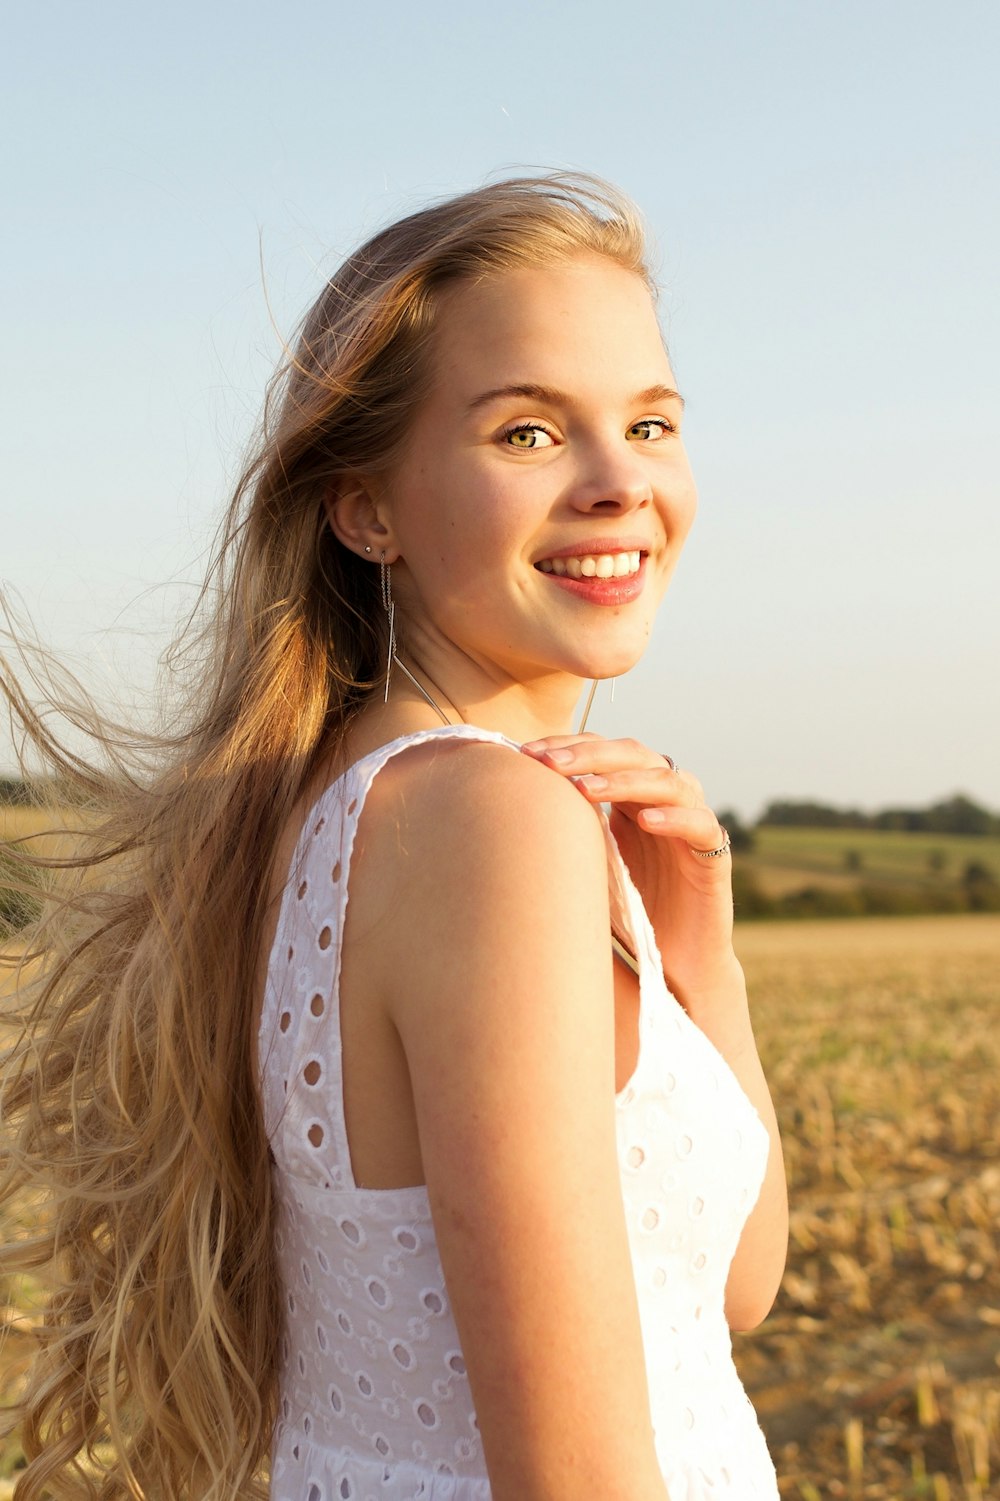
954,815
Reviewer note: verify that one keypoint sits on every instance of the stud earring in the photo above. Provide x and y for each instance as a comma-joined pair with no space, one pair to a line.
368,547
389,606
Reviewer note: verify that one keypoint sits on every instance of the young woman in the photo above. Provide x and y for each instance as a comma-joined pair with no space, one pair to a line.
397,1108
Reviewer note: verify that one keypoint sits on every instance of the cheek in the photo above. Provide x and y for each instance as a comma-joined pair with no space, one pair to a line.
489,530
459,523
682,505
689,512
460,555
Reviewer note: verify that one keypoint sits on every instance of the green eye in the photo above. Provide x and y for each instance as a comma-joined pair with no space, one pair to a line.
649,429
527,435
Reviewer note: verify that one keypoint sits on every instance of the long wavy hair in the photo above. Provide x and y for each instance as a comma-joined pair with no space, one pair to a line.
132,1123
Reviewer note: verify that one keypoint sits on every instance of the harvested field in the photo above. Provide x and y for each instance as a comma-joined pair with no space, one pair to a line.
876,1377
877,1374
45,828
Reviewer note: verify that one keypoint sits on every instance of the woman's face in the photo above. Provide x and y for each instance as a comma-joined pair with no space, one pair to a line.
546,457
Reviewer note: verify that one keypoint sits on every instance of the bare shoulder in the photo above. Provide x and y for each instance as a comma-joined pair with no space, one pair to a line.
435,798
474,861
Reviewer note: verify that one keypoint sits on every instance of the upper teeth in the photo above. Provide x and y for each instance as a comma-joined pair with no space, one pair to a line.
601,565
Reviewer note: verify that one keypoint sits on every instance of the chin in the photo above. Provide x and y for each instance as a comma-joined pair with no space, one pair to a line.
607,664
602,659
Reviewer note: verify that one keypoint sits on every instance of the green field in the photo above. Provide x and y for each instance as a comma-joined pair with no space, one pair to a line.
913,859
791,871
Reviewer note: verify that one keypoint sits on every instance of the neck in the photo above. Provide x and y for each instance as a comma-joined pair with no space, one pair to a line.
427,697
549,704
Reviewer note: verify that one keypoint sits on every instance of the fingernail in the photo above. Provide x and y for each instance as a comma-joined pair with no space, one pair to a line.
653,815
560,757
533,747
592,783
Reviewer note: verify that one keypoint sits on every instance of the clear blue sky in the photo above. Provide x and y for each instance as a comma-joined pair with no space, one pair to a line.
822,186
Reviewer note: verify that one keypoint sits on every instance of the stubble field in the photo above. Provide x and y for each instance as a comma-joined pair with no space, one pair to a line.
877,1374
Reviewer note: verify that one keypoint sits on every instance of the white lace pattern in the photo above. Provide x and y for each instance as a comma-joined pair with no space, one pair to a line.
375,1402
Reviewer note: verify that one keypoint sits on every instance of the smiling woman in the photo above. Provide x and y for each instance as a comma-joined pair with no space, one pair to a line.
573,456
454,1188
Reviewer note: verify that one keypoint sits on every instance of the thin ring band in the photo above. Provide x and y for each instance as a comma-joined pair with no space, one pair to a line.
723,849
669,760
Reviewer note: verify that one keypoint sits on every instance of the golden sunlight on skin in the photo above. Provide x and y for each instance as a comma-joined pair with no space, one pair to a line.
552,426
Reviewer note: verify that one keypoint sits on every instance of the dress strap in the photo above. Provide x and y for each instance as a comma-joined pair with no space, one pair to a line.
628,915
299,1039
300,1047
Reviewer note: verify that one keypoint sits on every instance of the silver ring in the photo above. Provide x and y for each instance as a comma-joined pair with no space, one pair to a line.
669,760
723,849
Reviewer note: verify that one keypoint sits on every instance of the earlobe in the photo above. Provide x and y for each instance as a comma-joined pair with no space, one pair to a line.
356,519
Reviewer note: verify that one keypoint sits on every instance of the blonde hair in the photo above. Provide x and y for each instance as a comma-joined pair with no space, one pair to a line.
130,1103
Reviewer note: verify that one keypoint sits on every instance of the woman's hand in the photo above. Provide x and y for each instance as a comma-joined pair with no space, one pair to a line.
659,819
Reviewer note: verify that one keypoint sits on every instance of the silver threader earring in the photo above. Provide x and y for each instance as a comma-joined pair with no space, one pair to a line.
589,704
389,605
586,708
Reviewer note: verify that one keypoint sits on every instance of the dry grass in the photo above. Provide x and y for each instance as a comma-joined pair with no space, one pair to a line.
47,831
876,1377
877,1374
18,823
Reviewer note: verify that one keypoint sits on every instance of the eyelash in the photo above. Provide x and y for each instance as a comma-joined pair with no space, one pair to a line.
539,427
528,427
660,422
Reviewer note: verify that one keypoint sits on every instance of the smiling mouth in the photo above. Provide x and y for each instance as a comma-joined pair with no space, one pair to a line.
598,565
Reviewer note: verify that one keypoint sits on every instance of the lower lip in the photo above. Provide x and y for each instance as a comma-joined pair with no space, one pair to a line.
602,591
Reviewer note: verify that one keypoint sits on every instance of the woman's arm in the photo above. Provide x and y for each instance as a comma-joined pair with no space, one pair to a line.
496,969
658,817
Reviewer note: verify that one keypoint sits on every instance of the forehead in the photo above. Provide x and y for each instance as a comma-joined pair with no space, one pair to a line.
583,320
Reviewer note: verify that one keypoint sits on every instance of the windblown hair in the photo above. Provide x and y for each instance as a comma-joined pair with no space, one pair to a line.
132,1124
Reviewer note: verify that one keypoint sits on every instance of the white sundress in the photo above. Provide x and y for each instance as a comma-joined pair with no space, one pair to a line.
375,1403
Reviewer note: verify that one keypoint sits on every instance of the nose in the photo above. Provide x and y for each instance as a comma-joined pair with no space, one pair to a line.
612,480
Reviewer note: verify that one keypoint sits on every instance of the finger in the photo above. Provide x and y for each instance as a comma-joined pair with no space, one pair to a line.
647,786
552,745
554,741
699,828
580,756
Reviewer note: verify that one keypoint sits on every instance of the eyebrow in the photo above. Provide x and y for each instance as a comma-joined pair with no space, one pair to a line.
553,397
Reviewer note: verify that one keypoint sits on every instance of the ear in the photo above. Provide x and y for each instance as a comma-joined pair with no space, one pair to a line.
357,518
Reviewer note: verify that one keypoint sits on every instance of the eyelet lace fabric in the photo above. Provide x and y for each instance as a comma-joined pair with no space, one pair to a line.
375,1402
